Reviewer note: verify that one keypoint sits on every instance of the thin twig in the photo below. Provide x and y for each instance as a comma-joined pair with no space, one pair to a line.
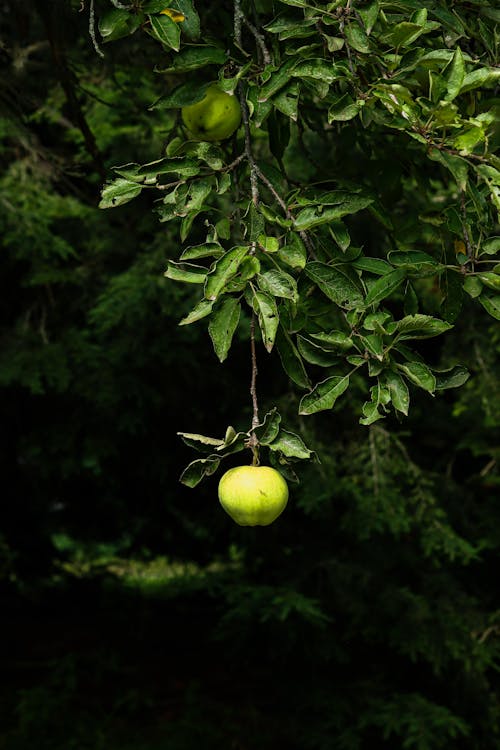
245,116
266,55
253,389
253,441
262,177
238,20
120,6
303,235
345,12
92,30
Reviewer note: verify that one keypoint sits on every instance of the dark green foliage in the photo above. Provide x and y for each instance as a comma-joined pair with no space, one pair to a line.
135,615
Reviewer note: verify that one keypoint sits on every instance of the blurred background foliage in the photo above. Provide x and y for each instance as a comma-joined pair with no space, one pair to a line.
136,615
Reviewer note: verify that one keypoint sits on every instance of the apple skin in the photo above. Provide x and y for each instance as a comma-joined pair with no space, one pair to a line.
215,118
253,495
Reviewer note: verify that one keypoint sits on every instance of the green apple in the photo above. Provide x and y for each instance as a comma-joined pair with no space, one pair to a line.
253,495
215,118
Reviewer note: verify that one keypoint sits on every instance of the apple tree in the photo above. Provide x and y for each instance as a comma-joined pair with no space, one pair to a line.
353,212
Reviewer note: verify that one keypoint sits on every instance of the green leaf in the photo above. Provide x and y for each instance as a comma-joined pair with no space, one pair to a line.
371,414
267,311
491,280
418,327
452,287
187,93
191,24
193,58
223,228
340,234
455,164
473,286
202,309
491,246
293,253
479,78
287,101
268,430
374,345
210,153
467,140
314,216
315,354
233,442
369,14
377,322
118,23
291,445
279,284
268,244
455,74
249,268
206,250
491,303
376,266
223,270
277,81
356,37
319,69
413,260
335,340
179,165
166,31
154,6
324,395
419,374
223,323
197,470
335,284
403,34
118,192
452,378
200,442
400,395
384,287
291,359
186,272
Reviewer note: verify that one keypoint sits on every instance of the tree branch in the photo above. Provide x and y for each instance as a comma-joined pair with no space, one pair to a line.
245,116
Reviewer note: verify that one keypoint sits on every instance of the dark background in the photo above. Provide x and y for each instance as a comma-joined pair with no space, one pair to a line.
135,613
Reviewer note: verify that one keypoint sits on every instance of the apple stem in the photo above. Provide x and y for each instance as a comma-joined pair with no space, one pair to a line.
253,382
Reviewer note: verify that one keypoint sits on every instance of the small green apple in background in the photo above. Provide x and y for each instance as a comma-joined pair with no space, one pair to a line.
253,495
215,118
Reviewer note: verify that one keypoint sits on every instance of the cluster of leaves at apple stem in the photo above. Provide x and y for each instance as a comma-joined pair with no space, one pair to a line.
284,447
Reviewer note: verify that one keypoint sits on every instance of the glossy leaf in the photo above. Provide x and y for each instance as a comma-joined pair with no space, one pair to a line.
291,360
385,286
223,323
291,445
267,311
324,395
279,284
418,327
400,395
335,284
118,192
223,270
197,470
419,374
